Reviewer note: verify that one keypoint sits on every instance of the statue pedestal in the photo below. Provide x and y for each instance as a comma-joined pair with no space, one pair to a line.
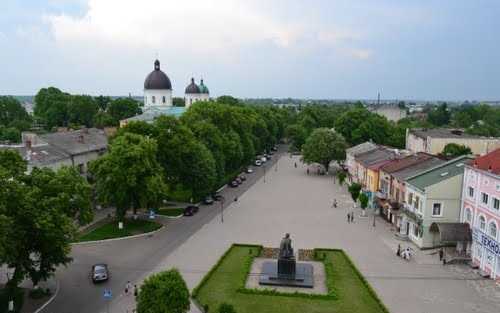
286,268
302,277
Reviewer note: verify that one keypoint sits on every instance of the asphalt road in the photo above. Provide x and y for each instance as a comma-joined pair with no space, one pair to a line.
130,259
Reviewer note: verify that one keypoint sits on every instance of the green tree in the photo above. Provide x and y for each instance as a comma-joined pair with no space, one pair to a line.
129,175
178,102
297,134
341,175
439,116
226,308
165,292
228,100
324,146
9,134
363,201
354,189
103,102
123,108
51,105
82,110
104,119
12,110
453,150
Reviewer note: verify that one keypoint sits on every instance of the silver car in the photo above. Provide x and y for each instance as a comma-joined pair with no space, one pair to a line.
99,273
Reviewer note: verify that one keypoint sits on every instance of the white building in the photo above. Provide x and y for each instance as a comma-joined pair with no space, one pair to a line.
195,93
157,88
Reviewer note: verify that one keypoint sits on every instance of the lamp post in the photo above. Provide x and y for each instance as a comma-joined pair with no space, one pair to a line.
222,209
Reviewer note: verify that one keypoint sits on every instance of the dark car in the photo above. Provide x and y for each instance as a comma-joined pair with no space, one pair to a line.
218,197
233,184
191,210
238,180
208,200
242,177
99,273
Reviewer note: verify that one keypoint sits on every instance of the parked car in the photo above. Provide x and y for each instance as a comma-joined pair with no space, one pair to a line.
242,177
263,159
208,200
258,163
218,197
233,184
271,152
248,170
99,273
275,148
191,210
238,180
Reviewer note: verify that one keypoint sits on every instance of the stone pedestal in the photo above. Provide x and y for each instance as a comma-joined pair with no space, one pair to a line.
303,275
286,268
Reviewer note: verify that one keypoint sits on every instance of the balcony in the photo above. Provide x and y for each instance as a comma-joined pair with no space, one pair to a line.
382,195
411,213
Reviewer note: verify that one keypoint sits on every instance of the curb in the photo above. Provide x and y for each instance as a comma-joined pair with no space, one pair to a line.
170,217
40,309
117,239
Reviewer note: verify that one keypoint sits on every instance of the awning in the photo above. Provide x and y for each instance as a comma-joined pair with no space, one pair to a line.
452,232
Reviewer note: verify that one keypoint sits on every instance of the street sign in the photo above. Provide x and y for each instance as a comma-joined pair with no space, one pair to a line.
107,294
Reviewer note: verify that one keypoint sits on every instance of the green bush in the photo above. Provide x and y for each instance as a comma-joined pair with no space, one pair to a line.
39,293
165,292
226,308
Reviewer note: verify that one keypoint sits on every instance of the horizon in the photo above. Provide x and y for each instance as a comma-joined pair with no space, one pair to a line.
319,50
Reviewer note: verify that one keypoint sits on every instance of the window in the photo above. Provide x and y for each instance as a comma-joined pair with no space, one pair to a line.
415,230
163,99
417,200
80,168
492,230
436,209
153,99
410,198
468,215
496,204
471,192
482,223
484,198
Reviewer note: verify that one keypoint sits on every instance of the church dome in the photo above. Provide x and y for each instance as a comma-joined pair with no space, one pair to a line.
192,88
203,88
157,79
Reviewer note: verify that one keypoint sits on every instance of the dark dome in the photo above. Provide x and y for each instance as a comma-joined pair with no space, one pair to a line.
192,88
157,79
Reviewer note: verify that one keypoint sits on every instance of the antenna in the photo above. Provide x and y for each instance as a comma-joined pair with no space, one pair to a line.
378,99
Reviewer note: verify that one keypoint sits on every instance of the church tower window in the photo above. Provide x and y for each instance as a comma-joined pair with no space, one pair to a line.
153,99
163,99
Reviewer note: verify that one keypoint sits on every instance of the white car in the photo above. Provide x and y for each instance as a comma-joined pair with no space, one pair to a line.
258,163
263,159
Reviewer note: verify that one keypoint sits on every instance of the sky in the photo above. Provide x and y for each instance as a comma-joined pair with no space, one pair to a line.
319,49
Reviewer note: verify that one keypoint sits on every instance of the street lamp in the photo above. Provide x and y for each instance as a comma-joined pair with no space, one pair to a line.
222,209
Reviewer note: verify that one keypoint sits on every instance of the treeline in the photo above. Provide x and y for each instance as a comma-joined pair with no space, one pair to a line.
194,155
55,108
13,120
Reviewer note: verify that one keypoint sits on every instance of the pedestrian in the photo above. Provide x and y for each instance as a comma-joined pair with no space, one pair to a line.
398,252
352,217
128,286
235,199
307,171
348,217
335,203
295,164
135,291
441,254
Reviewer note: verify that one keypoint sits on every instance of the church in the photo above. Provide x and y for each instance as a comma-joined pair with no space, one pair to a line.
158,96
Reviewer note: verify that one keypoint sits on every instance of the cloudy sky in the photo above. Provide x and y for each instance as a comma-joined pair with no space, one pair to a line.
403,49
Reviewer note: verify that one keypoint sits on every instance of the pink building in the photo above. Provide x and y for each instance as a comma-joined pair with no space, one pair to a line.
481,210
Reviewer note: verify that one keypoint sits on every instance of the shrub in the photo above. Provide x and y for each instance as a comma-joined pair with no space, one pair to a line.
165,292
226,308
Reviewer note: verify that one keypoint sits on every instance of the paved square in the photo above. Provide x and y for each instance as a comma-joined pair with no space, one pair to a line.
290,201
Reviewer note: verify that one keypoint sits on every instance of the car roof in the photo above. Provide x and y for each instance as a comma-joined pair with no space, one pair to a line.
100,266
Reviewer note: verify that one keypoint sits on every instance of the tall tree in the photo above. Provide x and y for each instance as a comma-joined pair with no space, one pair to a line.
439,116
82,110
129,175
324,146
51,105
123,108
453,150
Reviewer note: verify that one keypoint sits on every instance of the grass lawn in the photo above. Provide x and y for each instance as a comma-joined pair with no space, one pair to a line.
225,282
110,230
172,212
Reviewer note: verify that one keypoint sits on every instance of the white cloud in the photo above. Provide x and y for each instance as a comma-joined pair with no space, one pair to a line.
362,54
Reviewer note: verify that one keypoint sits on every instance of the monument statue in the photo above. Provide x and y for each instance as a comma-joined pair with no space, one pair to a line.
286,271
286,250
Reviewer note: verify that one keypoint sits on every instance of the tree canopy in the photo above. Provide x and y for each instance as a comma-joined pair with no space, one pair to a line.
323,146
164,292
453,150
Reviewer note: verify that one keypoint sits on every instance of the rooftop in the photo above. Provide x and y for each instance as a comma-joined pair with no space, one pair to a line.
78,141
40,155
373,157
151,113
399,164
443,133
416,168
361,148
489,162
439,173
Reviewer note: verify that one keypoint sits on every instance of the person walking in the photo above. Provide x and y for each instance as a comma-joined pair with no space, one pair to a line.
128,287
335,203
398,252
348,217
352,217
441,254
295,164
136,292
307,171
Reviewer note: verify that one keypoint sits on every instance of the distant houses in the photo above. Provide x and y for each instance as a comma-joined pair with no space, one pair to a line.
64,148
436,203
